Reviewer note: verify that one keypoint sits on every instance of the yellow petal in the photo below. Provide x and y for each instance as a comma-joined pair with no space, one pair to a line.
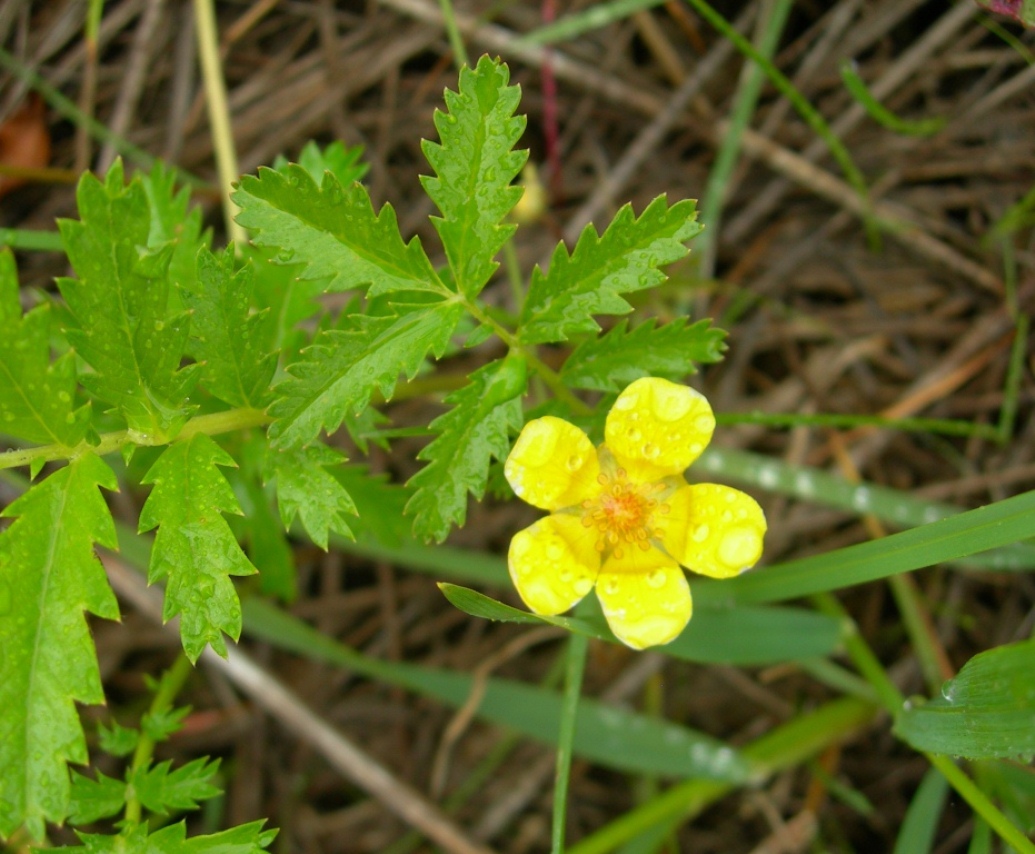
647,607
714,530
553,563
553,464
657,428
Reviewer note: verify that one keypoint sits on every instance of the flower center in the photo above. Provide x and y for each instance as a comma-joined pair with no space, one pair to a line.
621,514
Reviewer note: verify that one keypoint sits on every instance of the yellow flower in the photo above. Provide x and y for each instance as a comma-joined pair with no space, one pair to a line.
623,518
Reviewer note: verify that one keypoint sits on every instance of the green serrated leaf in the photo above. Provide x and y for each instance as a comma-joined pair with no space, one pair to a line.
333,230
612,361
345,366
161,789
49,575
176,224
245,839
123,329
626,258
227,338
117,740
305,488
285,301
475,165
161,725
37,398
473,432
342,161
194,546
95,799
986,712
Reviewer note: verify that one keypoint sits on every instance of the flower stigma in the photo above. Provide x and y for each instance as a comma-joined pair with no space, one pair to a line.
624,513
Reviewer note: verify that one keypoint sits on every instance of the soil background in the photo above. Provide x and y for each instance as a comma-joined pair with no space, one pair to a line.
821,319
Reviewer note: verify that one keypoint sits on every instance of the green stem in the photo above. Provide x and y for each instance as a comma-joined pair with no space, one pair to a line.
726,159
547,374
514,277
218,114
917,623
1014,376
211,425
168,687
456,41
862,656
812,117
576,664
979,802
38,241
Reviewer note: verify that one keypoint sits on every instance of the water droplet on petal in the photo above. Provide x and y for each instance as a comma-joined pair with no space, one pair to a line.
657,578
700,533
574,463
650,451
740,548
582,585
535,445
626,402
671,401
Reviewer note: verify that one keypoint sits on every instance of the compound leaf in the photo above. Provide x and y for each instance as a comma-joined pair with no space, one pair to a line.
120,305
337,375
473,432
245,839
626,258
161,789
36,396
475,165
95,799
343,162
986,711
331,227
305,488
194,546
49,575
611,361
228,338
176,224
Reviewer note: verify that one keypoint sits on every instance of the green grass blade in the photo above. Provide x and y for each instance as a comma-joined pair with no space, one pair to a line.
891,506
986,712
881,114
916,836
950,539
574,669
742,636
596,16
784,747
605,734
